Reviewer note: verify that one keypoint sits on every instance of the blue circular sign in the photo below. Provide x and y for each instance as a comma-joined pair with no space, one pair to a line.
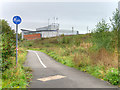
17,20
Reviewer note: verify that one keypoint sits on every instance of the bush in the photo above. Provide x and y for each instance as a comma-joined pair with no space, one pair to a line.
112,76
8,43
30,45
102,37
47,45
65,40
62,35
17,77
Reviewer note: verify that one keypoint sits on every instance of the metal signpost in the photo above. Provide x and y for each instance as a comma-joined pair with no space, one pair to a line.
16,20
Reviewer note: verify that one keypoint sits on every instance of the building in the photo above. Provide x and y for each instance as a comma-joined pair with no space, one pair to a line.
32,36
43,32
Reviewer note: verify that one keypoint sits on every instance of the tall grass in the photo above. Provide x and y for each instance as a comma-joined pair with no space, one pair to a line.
95,53
16,77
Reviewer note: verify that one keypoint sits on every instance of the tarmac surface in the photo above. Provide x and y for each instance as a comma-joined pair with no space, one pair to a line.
48,73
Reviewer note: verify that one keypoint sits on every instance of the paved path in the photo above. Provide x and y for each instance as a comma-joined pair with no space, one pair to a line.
58,75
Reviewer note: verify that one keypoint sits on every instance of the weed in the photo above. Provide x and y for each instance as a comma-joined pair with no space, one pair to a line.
17,77
112,76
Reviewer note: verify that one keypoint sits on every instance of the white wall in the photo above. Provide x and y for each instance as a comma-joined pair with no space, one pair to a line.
49,34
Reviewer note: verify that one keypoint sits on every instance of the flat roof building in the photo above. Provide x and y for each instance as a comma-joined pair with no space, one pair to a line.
47,31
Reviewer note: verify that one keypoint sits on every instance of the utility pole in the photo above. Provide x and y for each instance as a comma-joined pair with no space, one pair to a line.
72,30
54,22
87,30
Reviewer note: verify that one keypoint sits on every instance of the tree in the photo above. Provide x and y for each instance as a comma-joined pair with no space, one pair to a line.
101,35
115,22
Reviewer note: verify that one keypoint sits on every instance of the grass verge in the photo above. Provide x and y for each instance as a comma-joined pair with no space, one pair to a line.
17,77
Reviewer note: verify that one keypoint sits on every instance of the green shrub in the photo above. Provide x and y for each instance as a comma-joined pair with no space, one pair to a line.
8,44
30,44
17,77
101,37
65,40
47,45
112,76
66,52
62,35
26,43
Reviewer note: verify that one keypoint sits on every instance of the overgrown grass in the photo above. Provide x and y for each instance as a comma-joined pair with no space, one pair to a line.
110,74
17,77
78,52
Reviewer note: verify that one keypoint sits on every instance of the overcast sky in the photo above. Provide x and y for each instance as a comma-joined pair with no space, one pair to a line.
70,14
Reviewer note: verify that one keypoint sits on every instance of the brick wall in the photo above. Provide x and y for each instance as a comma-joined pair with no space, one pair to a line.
32,36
